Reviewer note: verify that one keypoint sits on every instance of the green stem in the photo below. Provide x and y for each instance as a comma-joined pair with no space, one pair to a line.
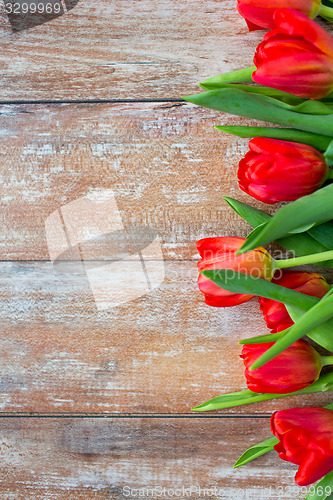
330,174
306,259
243,75
327,360
326,12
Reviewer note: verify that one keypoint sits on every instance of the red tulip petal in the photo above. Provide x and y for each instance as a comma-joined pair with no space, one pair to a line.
314,467
309,75
218,245
306,439
293,22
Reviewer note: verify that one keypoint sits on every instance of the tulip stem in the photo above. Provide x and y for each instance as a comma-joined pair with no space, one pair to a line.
327,360
326,12
306,259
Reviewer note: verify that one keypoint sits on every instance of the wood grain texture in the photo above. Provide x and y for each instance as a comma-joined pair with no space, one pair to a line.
166,165
124,50
163,352
167,169
103,459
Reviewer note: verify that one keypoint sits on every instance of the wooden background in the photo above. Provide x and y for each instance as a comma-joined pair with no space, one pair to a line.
93,402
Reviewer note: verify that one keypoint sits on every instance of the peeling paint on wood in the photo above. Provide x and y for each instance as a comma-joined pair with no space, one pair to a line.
167,167
98,458
124,50
164,352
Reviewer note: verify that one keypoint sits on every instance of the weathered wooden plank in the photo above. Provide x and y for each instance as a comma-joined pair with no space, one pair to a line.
164,352
119,458
124,50
166,166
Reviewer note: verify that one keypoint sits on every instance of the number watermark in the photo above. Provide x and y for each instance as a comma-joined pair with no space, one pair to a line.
225,493
33,8
25,14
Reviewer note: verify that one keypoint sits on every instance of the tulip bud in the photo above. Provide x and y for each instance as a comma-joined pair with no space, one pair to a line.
275,313
275,170
259,13
306,439
220,253
293,369
296,57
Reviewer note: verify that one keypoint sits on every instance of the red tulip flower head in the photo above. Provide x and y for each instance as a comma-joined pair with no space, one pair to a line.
275,170
296,57
291,370
306,439
275,313
259,13
220,253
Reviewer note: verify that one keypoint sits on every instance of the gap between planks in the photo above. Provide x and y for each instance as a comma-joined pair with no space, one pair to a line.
220,416
90,101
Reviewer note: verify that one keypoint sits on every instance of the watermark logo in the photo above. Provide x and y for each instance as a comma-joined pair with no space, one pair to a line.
25,14
121,263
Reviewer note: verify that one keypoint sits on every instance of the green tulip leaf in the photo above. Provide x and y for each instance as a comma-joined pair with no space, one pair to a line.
301,244
323,489
297,105
323,384
243,75
321,334
315,311
253,216
299,230
329,154
311,107
281,99
285,134
241,103
257,451
314,208
323,233
284,98
264,339
306,324
235,282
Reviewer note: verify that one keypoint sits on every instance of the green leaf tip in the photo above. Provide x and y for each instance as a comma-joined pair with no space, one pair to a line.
314,208
256,451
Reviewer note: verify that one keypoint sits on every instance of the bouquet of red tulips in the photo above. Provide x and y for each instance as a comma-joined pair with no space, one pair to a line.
291,85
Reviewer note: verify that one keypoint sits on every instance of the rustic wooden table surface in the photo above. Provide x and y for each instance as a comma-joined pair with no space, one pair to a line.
95,402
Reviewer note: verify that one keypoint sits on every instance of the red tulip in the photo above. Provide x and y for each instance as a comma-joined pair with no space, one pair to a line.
259,13
306,439
220,253
275,170
275,313
291,370
296,57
